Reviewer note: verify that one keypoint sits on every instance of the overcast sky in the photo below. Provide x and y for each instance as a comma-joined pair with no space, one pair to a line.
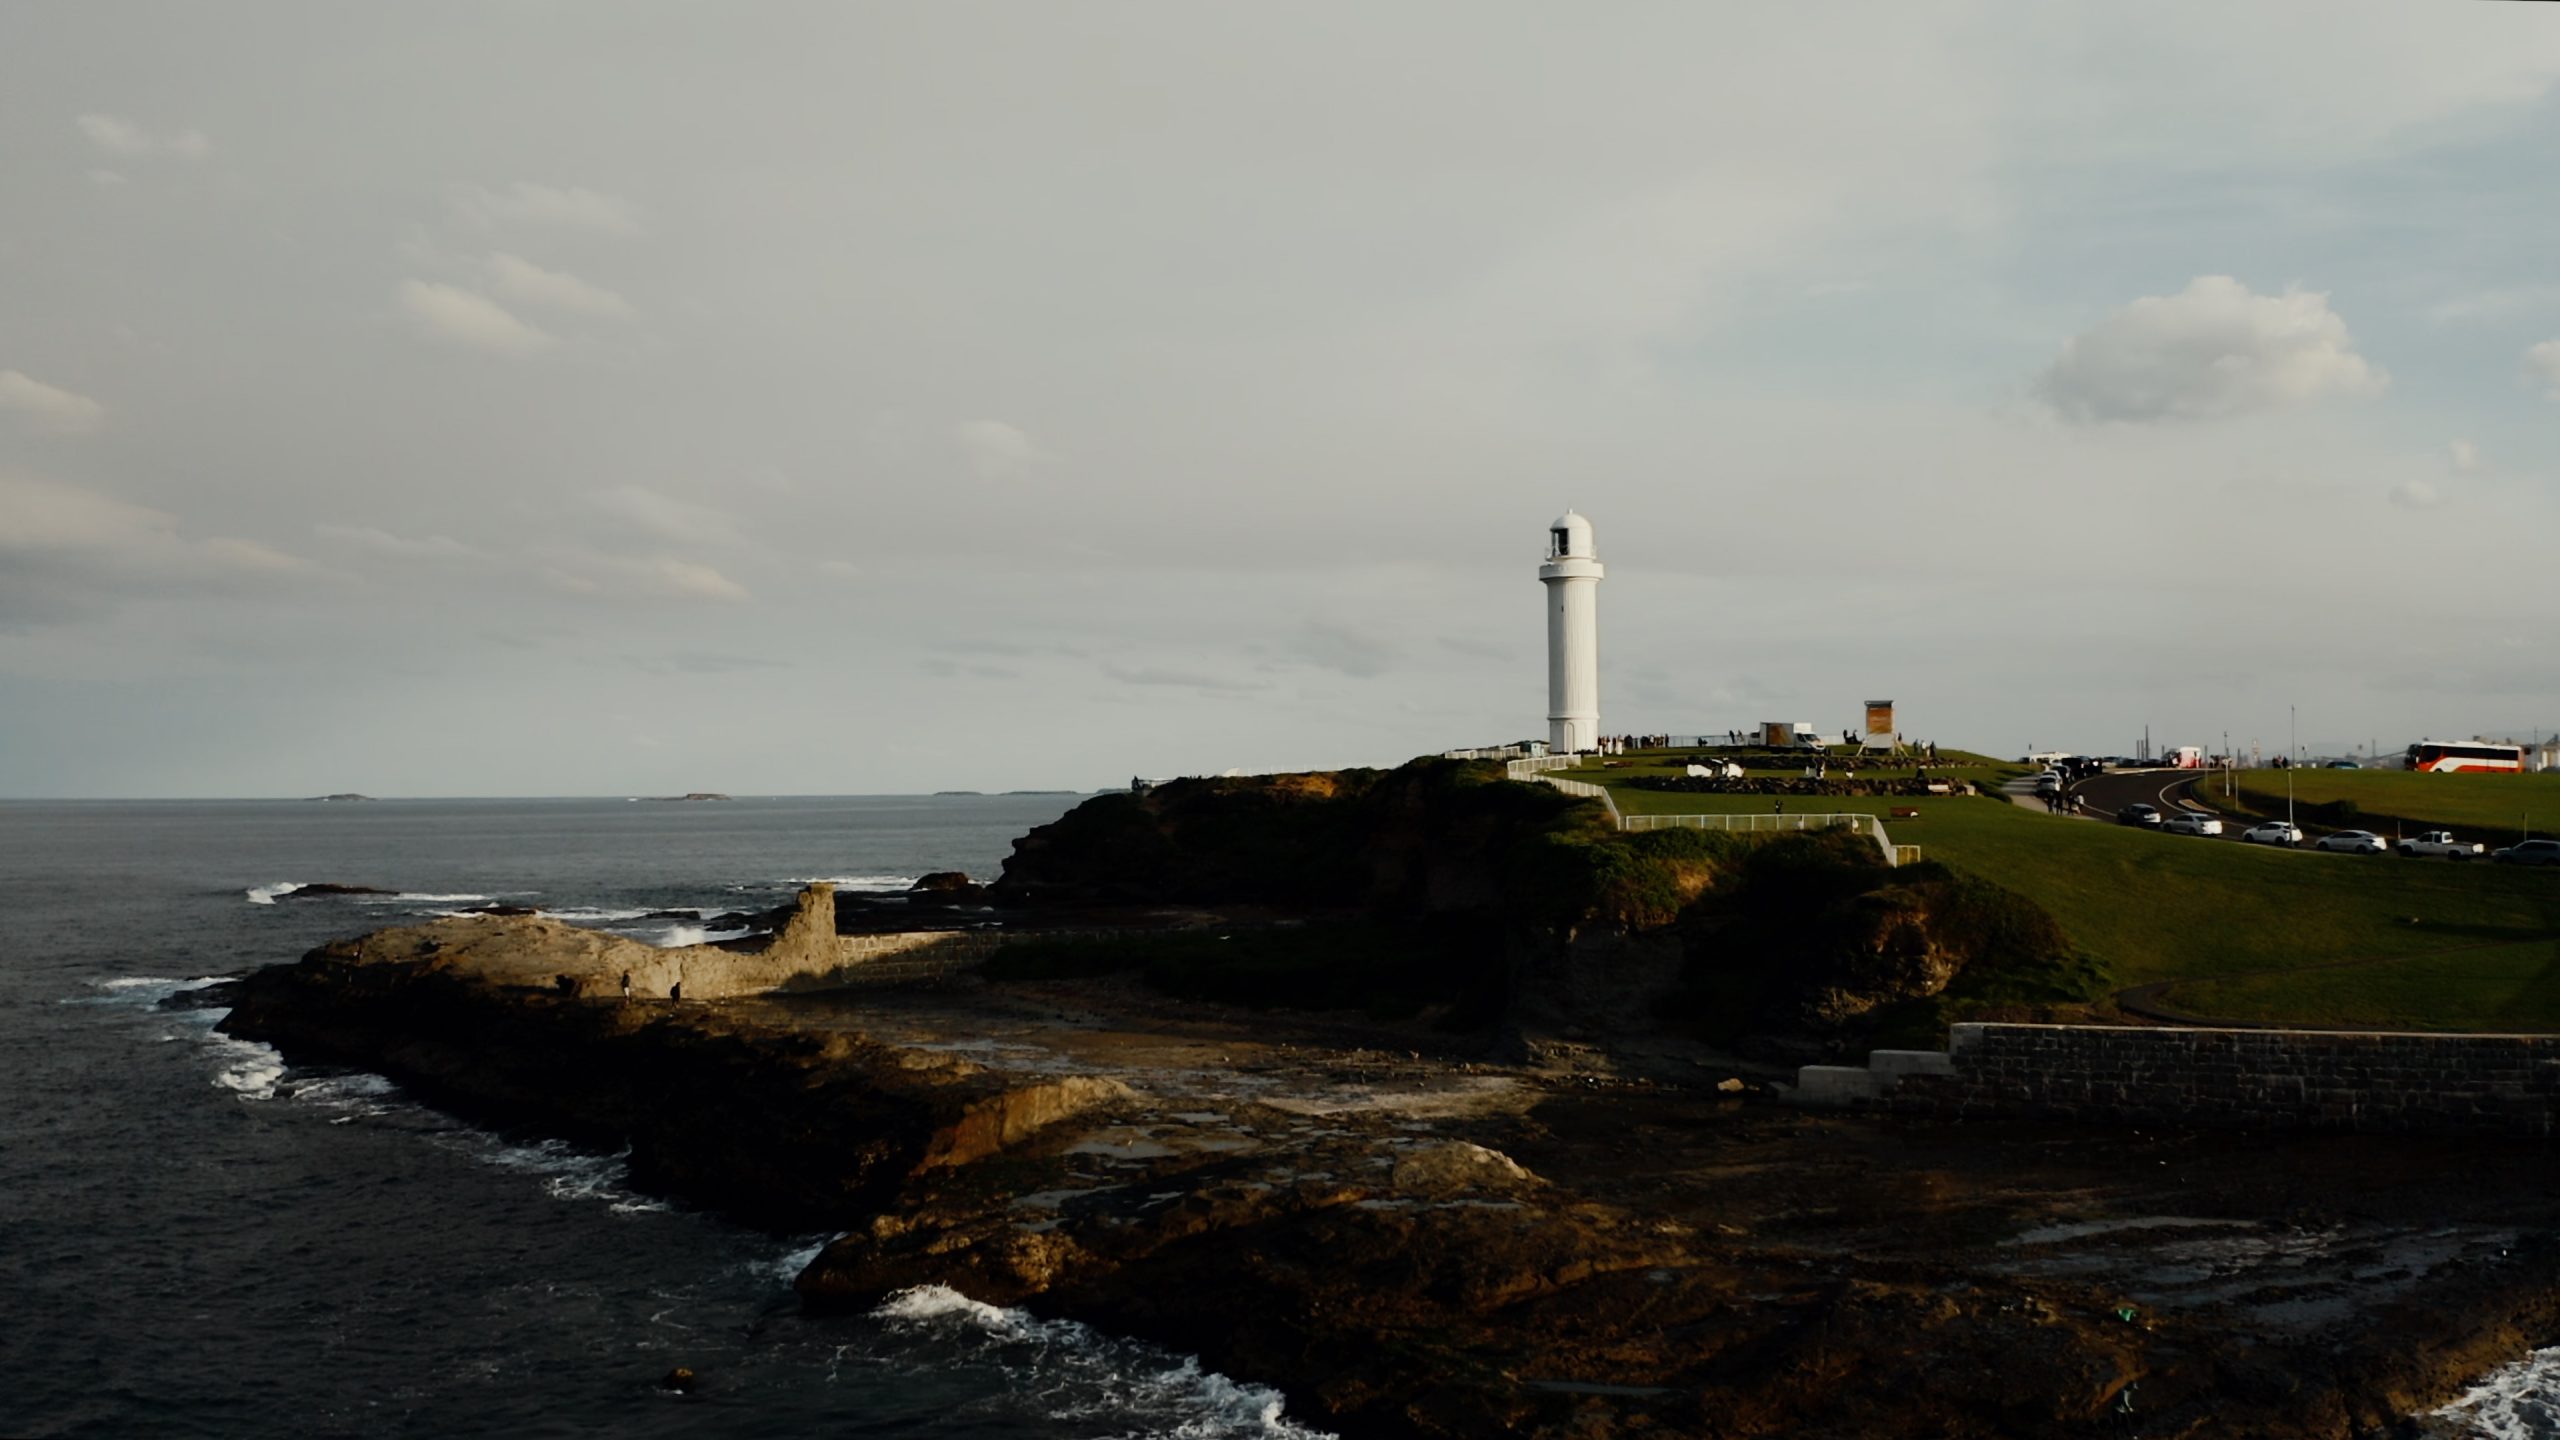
609,398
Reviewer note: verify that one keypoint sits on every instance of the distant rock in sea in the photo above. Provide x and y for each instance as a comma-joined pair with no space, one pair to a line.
959,792
692,795
325,889
341,795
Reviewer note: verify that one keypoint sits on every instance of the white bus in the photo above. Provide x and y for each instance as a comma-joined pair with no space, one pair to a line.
2446,757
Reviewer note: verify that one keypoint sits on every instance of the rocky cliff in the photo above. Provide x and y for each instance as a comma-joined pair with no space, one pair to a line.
1428,1245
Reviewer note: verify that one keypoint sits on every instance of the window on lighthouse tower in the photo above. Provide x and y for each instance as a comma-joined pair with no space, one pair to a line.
1562,545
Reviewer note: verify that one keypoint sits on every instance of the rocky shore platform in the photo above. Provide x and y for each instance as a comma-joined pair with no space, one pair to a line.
1414,1234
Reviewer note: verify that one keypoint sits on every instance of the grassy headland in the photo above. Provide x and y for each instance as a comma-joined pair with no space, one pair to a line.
2235,931
2488,807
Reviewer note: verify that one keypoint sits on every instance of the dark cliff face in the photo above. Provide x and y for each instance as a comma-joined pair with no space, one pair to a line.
1807,940
1428,837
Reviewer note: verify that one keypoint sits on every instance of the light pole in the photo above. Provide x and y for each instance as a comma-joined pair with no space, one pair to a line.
2288,767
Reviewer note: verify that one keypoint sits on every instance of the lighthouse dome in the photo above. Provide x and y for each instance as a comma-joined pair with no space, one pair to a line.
1570,535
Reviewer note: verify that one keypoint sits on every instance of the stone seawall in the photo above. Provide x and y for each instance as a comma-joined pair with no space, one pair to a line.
2273,1079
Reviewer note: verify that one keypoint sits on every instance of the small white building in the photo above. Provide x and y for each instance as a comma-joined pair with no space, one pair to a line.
1572,575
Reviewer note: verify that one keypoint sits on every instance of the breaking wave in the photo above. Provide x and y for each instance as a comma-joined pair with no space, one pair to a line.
2515,1402
247,1068
569,1173
1078,1374
266,894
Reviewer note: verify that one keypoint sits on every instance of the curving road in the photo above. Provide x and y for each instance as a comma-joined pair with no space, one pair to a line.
2104,795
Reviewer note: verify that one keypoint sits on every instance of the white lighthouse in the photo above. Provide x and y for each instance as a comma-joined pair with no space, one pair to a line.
1572,577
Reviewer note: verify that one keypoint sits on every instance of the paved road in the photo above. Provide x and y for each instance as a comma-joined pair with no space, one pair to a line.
2105,794
2168,790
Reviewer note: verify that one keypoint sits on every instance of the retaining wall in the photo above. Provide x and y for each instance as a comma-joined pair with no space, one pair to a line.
2274,1079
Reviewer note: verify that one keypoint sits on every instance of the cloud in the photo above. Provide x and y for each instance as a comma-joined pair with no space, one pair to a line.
2465,456
231,553
2491,305
2212,350
106,179
666,518
2542,362
456,316
998,450
1345,649
704,662
521,280
559,207
48,409
398,547
2417,495
66,551
1159,675
118,136
653,577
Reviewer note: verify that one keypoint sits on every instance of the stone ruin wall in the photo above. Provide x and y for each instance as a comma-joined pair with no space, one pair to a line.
2260,1079
806,954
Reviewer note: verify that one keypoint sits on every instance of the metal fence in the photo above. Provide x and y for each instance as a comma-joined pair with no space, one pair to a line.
1864,824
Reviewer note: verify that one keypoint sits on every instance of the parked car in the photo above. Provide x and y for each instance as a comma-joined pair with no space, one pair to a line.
2274,832
2139,815
2191,822
2353,842
2344,765
2440,842
2530,852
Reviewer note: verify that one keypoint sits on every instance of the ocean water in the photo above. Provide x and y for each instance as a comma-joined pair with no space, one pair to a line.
197,1240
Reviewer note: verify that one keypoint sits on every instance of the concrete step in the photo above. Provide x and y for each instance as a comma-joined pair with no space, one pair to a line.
1911,1062
1836,1085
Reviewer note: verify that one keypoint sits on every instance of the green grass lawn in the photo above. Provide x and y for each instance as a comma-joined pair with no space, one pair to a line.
1955,765
2435,946
2498,807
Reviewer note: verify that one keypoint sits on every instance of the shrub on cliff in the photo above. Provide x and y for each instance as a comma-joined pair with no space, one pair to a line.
1813,935
1586,873
1431,836
1389,970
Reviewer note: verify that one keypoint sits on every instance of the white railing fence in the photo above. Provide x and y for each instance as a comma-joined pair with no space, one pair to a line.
1864,824
1589,791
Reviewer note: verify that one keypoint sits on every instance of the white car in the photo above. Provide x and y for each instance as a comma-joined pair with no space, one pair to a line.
2353,842
2274,832
2440,842
2189,822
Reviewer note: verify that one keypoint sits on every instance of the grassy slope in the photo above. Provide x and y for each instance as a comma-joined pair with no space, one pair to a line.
2483,953
2495,805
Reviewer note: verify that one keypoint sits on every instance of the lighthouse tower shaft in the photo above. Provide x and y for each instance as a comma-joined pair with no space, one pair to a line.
1572,576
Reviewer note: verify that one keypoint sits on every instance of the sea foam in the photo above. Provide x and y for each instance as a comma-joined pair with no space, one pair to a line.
2514,1402
1083,1376
248,1068
266,894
